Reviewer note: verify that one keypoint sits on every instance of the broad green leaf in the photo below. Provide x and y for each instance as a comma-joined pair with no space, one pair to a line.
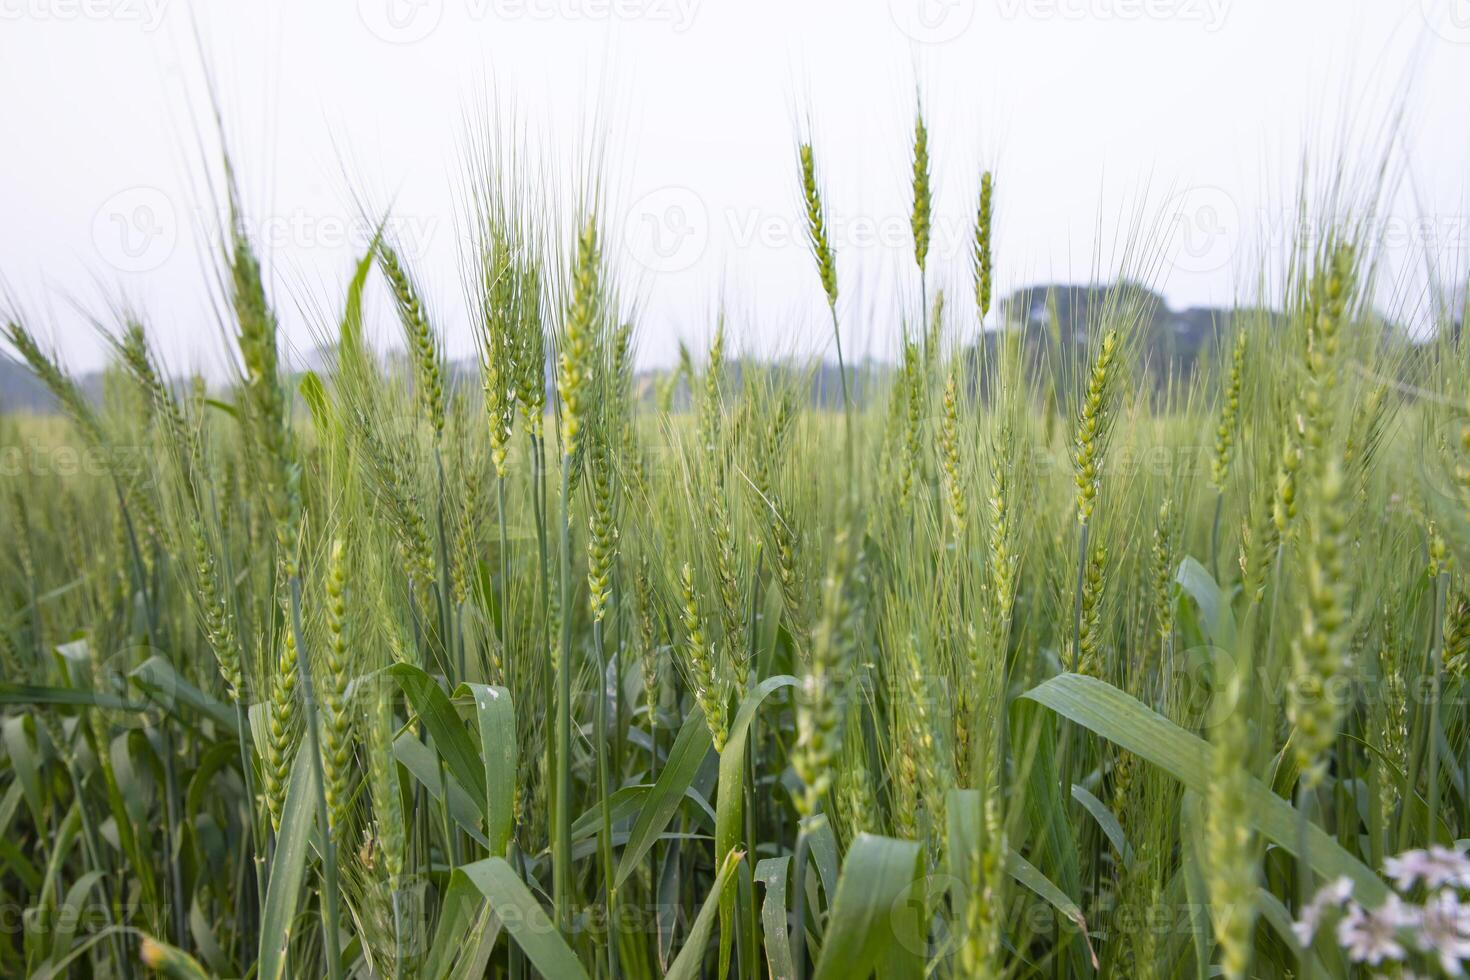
690,748
626,803
168,687
962,845
463,913
686,965
10,854
497,722
288,868
878,877
1191,869
1055,849
1029,875
524,918
775,916
73,905
25,759
1112,714
1106,820
962,808
822,846
422,764
1214,606
451,739
730,798
33,694
349,336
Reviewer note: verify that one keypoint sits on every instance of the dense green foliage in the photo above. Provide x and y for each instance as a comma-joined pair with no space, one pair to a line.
1017,663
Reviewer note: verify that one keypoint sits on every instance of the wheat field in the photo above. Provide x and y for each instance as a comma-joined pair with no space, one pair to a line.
1025,656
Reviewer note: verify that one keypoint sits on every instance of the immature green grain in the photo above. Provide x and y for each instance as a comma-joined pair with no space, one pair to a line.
336,720
717,524
138,359
218,622
711,405
1457,636
1089,652
933,339
575,360
464,551
648,641
1162,574
1258,543
1284,506
62,387
1318,654
498,327
20,522
709,687
981,257
788,572
266,411
980,953
423,345
1003,547
821,246
819,705
1093,422
1439,551
923,197
530,348
1462,466
949,456
280,745
1229,412
392,471
931,768
855,793
816,224
602,538
391,831
913,391
1231,864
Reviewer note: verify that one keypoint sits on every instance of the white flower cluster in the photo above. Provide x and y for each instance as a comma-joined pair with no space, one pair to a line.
1439,928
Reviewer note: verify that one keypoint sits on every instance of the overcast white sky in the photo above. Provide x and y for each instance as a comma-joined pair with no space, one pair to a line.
1090,111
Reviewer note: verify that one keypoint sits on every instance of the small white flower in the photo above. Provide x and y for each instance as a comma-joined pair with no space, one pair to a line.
1372,936
1444,929
1436,867
1334,894
1406,868
1306,927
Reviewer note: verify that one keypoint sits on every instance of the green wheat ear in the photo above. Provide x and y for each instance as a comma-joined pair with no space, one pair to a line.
923,198
1092,426
336,720
423,344
1318,653
981,256
575,362
816,225
709,686
1229,412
